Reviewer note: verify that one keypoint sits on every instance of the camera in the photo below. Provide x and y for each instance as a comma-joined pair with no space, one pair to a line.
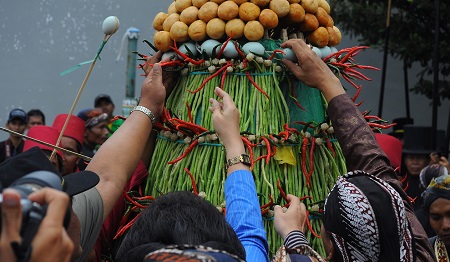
32,212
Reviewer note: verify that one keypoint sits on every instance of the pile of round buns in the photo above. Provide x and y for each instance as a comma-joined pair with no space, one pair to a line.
198,20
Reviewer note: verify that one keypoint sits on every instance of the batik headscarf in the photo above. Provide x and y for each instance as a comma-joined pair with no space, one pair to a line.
429,172
439,187
366,220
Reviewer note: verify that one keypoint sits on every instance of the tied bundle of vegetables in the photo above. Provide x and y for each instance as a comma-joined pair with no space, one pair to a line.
284,128
235,44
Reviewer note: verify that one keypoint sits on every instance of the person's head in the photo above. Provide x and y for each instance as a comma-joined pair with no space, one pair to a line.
49,135
72,139
179,218
418,146
17,121
95,122
436,202
35,117
34,159
364,219
105,103
429,172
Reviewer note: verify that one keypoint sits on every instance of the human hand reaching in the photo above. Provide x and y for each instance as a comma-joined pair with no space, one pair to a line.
293,218
311,70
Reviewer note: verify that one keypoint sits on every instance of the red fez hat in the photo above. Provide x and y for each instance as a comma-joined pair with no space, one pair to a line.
43,133
392,147
74,129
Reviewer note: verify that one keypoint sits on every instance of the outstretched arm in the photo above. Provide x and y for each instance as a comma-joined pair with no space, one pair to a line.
117,158
243,210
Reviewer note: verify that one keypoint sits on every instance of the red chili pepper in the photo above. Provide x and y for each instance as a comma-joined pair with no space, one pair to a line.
189,112
194,186
305,197
115,118
381,126
304,123
293,96
404,178
358,104
350,81
308,223
223,46
210,77
275,52
268,148
247,73
356,94
185,57
368,67
222,81
330,146
283,194
311,156
357,73
406,187
372,117
122,230
291,129
133,202
189,149
304,147
249,145
239,50
355,50
269,203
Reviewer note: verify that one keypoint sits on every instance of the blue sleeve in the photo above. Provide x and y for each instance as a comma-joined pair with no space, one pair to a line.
244,214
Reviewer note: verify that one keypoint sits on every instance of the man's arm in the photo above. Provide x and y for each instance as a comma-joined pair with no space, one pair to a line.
117,158
354,134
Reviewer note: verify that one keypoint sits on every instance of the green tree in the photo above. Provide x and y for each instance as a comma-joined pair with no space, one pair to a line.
412,27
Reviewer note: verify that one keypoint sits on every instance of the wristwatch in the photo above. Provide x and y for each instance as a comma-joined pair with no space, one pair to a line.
242,158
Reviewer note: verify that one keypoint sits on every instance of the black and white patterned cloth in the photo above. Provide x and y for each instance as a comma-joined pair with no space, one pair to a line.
366,220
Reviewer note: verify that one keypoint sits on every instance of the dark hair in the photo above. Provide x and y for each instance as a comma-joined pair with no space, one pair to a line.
178,218
36,112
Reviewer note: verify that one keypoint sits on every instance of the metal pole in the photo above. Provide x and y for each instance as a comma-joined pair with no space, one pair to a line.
435,74
386,47
405,75
133,36
130,101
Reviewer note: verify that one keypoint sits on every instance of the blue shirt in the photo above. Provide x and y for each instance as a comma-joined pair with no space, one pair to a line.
244,214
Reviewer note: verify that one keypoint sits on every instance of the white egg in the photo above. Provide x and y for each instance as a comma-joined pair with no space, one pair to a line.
326,51
333,49
209,45
254,47
317,51
168,56
230,50
110,25
188,47
289,54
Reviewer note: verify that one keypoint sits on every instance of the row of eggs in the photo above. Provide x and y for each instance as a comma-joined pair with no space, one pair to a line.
211,46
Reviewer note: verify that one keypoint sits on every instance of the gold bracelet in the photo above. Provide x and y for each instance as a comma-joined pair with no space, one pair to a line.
146,111
242,158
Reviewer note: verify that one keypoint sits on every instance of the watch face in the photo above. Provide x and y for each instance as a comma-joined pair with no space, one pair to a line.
245,159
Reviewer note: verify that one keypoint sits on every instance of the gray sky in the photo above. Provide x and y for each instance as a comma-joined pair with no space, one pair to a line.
40,39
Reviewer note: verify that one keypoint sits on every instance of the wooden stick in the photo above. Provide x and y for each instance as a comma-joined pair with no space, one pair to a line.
105,39
45,143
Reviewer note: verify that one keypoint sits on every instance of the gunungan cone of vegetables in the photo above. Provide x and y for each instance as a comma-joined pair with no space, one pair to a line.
250,19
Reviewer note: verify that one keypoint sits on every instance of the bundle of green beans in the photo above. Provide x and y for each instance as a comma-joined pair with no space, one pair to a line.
265,117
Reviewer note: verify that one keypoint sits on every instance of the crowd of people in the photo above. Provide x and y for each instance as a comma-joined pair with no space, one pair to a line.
393,205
